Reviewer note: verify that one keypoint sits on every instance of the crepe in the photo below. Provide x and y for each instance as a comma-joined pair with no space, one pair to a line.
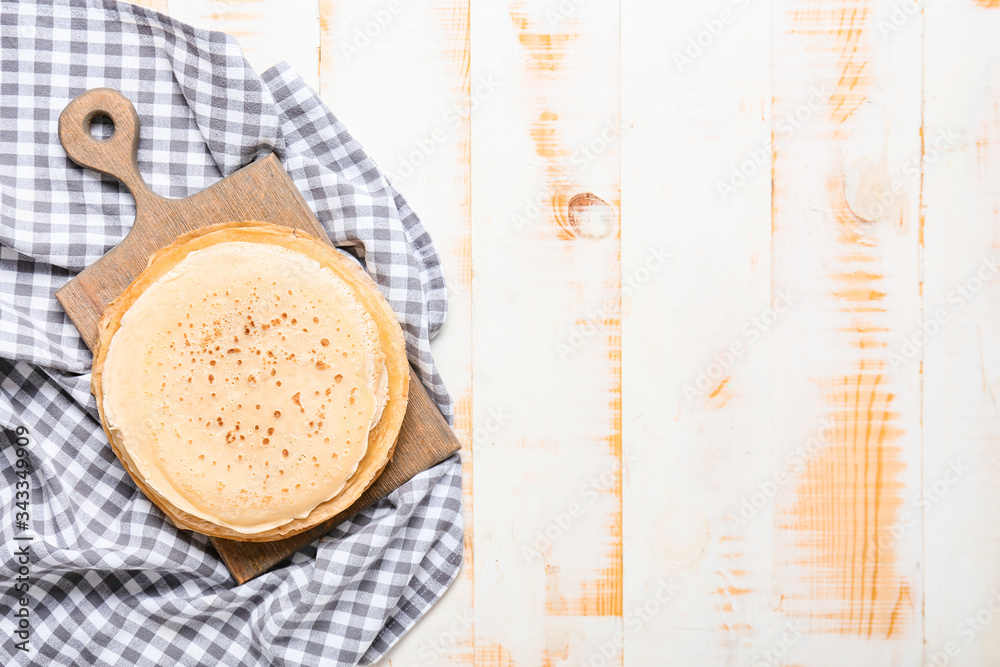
252,380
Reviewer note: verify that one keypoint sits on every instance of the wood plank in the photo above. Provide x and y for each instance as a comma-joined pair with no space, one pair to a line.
961,367
397,75
696,167
847,241
546,351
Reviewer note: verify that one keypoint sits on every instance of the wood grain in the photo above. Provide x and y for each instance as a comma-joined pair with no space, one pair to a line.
960,359
696,418
546,345
261,191
847,240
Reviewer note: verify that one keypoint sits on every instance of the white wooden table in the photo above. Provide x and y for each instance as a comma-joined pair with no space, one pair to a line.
724,314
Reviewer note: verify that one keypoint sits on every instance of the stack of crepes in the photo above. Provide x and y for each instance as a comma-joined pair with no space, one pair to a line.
252,380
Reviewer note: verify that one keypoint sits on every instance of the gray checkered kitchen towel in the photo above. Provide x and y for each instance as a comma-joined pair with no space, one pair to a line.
112,582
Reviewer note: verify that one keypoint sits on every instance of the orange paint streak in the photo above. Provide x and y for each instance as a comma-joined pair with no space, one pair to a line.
544,133
463,418
234,16
549,657
868,344
987,153
609,585
462,258
720,397
560,186
327,43
494,655
988,4
862,329
838,27
546,50
921,217
859,294
847,505
744,629
463,429
599,596
863,309
857,276
732,588
453,20
718,390
614,357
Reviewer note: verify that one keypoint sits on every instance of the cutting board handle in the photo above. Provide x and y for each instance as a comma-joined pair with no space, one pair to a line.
116,155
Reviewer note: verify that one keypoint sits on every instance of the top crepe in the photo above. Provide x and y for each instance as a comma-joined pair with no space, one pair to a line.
243,382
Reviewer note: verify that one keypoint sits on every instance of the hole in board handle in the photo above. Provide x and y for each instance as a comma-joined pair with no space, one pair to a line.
101,127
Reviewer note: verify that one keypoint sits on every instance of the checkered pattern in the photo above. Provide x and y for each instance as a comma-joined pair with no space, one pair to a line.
113,582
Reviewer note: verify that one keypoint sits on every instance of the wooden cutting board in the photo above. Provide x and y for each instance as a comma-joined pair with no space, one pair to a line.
260,191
